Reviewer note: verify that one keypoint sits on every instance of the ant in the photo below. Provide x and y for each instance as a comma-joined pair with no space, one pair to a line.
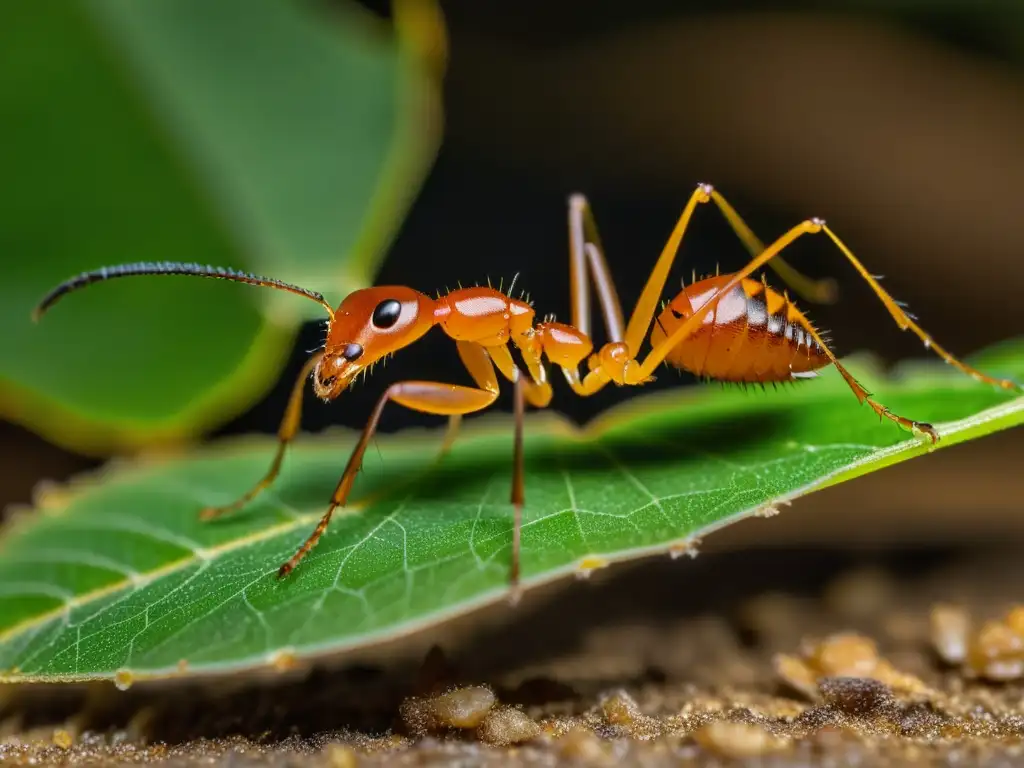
730,327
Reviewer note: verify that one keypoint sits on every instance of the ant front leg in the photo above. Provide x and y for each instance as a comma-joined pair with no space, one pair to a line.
423,396
442,399
285,433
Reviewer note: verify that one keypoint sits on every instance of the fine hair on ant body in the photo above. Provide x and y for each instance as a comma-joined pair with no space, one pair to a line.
730,327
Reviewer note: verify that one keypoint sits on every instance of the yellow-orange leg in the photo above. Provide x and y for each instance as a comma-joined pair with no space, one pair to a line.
905,322
812,226
285,433
518,481
817,291
442,399
643,314
586,251
586,258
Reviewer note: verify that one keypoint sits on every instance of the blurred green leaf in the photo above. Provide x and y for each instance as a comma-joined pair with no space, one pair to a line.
286,138
116,576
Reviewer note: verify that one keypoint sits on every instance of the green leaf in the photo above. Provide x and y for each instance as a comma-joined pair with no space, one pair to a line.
116,577
285,138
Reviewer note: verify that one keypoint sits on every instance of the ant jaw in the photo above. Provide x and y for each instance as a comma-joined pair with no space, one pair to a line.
332,376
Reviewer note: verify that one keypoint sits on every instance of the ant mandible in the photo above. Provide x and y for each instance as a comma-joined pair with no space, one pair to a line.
728,327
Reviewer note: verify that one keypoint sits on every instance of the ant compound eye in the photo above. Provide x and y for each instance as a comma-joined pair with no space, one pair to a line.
386,313
352,352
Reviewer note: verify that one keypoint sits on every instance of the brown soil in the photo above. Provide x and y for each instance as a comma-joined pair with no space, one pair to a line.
697,663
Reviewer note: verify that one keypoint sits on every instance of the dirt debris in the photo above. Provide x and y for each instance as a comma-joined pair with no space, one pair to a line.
899,673
843,655
738,740
461,708
505,725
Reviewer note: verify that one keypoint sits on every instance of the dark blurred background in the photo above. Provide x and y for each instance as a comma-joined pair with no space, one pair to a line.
902,123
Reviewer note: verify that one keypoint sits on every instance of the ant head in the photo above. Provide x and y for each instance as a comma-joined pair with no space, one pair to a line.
370,324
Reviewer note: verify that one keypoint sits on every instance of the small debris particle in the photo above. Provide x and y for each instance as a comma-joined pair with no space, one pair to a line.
797,675
950,630
63,739
843,655
772,509
506,725
738,740
857,696
620,709
689,547
123,679
590,564
996,652
849,654
460,708
283,660
463,707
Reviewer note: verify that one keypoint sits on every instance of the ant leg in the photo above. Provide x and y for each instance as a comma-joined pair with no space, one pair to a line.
817,291
905,322
285,433
518,482
810,226
863,396
537,392
585,247
585,251
643,312
450,434
581,224
425,397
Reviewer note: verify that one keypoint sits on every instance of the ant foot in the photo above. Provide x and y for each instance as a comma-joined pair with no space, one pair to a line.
920,427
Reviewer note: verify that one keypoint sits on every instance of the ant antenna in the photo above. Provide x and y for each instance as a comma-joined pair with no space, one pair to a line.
171,268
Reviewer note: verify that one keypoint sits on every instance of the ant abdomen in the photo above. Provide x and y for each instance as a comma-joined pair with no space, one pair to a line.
754,334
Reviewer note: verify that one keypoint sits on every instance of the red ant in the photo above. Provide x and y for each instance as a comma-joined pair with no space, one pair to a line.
728,327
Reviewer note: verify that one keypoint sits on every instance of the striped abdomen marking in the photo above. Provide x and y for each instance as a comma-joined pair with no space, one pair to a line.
755,334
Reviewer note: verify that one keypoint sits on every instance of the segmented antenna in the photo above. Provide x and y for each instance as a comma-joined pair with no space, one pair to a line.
170,268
